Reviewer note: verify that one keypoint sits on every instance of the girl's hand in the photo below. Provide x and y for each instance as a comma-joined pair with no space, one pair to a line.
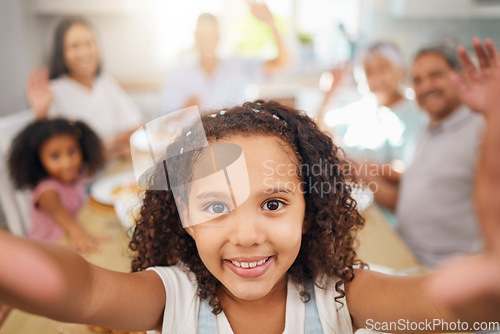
40,95
261,11
82,242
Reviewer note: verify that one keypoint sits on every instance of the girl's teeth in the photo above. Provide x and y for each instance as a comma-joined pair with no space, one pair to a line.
249,264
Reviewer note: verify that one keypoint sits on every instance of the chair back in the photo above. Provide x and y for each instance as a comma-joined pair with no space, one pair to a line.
15,203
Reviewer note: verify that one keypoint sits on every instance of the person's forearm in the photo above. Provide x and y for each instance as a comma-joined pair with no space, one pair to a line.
386,192
388,173
320,115
283,58
384,170
43,278
40,114
66,221
487,189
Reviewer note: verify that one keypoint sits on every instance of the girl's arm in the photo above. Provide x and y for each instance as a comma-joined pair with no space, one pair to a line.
376,300
54,281
50,202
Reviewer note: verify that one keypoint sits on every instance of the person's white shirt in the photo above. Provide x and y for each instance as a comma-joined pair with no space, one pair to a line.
106,108
182,305
376,133
226,86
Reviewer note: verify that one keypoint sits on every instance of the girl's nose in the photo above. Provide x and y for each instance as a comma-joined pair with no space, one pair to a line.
67,161
246,230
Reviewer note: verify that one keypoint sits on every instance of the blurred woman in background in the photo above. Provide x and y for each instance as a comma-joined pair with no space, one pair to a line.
383,126
380,130
77,89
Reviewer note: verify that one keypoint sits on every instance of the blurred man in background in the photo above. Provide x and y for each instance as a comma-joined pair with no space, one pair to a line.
212,82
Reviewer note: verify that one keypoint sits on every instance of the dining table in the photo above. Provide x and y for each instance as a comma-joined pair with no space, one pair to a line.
379,246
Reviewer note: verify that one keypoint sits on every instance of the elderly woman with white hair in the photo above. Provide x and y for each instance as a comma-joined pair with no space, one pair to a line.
380,130
382,126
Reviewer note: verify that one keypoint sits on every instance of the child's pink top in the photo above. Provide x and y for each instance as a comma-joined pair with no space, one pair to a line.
72,196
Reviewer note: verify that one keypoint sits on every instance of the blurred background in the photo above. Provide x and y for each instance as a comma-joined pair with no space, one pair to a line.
142,41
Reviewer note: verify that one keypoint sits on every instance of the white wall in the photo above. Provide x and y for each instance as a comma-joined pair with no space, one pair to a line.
413,33
15,56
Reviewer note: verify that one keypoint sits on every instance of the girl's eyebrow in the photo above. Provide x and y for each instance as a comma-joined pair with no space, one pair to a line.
277,190
223,195
212,194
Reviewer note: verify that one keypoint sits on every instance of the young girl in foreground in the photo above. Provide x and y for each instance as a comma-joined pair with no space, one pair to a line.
53,158
281,261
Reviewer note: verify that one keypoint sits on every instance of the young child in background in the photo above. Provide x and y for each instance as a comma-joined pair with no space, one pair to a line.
281,261
54,158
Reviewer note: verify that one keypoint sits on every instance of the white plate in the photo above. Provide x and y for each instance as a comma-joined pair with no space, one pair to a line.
102,189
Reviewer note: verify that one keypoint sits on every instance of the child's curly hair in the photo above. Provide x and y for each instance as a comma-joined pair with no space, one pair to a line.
327,248
24,163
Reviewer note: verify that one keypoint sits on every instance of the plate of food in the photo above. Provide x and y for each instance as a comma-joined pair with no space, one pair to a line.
109,188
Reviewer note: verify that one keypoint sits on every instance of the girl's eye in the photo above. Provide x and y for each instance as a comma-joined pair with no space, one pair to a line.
217,208
54,156
272,205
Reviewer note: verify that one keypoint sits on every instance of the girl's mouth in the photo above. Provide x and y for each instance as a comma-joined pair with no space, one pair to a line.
250,269
250,264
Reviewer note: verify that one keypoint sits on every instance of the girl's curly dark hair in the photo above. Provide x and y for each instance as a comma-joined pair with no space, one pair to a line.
24,163
327,248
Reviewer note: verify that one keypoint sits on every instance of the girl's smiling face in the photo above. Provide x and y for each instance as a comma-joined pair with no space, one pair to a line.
61,157
249,249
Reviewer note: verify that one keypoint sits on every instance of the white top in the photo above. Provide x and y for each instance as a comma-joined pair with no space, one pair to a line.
377,133
106,108
182,305
226,86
